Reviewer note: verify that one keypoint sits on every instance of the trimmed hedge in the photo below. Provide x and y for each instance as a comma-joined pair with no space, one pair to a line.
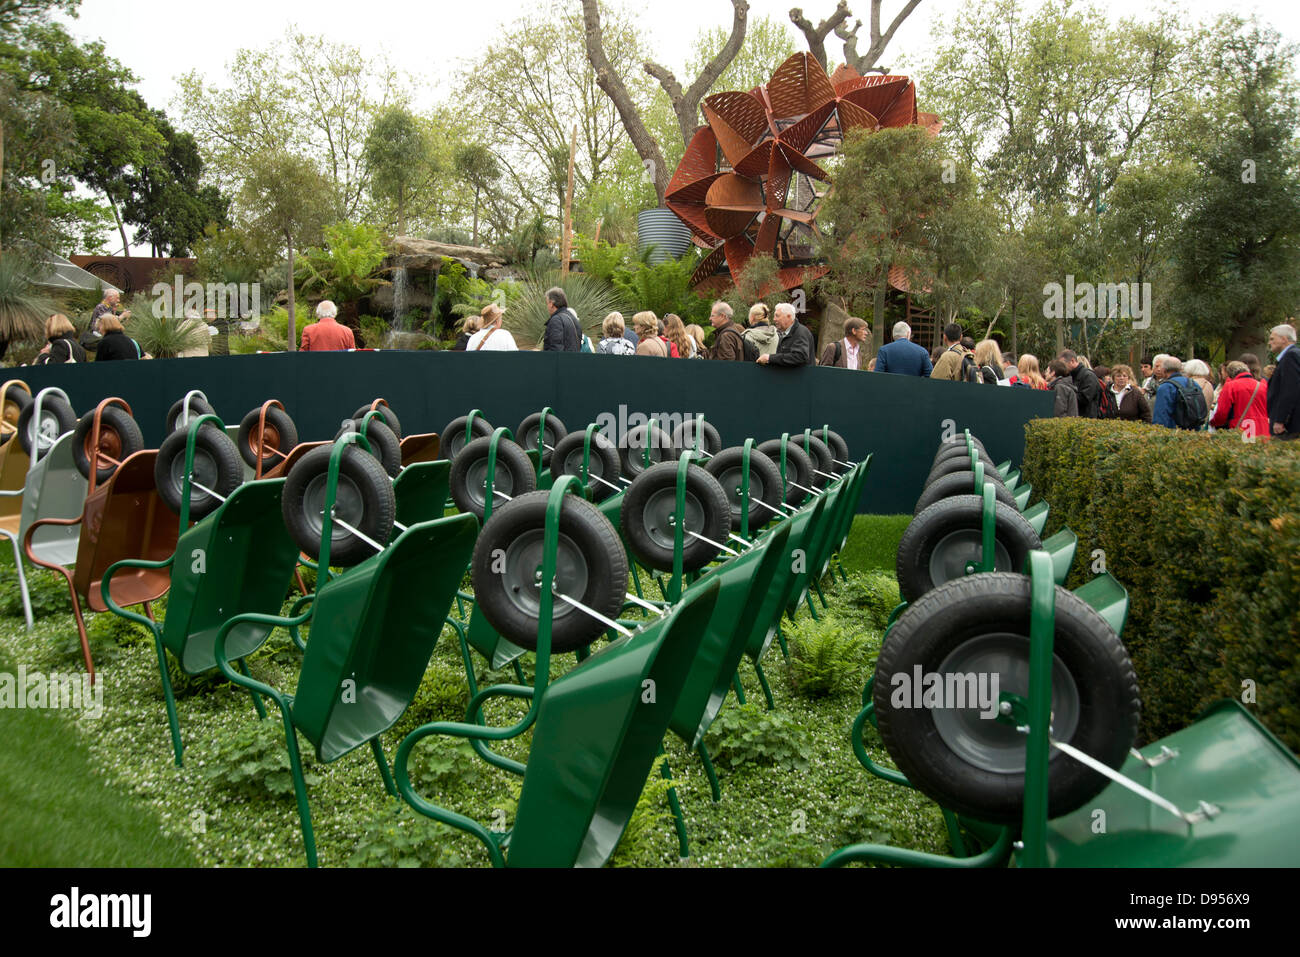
1204,532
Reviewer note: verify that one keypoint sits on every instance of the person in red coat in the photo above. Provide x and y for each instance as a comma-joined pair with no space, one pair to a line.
1243,402
326,335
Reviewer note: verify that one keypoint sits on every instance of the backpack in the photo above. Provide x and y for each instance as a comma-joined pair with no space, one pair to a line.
1189,410
1107,408
970,372
747,348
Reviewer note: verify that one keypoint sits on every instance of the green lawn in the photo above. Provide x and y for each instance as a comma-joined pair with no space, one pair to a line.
873,543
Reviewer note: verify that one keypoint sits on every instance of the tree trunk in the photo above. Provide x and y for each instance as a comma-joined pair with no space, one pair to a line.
474,241
121,229
293,314
1015,345
878,318
401,210
1060,335
686,104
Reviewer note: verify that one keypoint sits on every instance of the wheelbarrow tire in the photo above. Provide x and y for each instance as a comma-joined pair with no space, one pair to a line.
974,765
53,411
764,484
216,465
384,444
592,568
651,502
197,407
365,501
960,483
684,437
387,414
526,435
604,462
822,458
947,455
939,542
117,429
514,475
961,463
631,451
798,467
956,443
453,436
14,401
839,448
281,436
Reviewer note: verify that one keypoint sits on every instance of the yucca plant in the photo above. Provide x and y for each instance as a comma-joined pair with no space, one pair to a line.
160,336
590,299
23,307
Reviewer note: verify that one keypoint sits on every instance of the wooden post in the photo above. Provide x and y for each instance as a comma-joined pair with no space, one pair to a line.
567,240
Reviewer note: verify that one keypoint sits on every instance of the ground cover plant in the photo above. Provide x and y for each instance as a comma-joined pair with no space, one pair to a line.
792,791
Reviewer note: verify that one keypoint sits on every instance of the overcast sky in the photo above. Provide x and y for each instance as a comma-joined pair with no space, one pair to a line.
159,39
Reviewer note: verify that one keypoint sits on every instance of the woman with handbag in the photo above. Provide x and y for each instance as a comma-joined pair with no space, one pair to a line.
61,342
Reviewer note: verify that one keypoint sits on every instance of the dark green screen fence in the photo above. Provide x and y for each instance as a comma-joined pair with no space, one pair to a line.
898,418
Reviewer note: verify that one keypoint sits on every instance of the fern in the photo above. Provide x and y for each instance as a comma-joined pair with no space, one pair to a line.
827,658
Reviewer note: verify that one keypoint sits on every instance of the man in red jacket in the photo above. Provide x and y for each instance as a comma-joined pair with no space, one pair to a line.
326,335
1243,402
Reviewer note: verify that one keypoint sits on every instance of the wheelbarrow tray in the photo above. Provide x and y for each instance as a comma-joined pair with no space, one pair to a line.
736,619
597,737
374,628
786,580
239,559
125,518
420,448
281,468
1226,758
14,464
55,489
421,491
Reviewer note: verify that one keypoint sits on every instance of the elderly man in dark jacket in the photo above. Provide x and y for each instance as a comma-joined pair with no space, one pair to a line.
728,338
1284,387
1085,383
795,346
563,331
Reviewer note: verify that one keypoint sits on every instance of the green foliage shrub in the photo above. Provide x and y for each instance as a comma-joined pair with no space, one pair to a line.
746,734
828,657
600,259
651,819
663,288
399,837
47,590
1204,532
254,761
870,595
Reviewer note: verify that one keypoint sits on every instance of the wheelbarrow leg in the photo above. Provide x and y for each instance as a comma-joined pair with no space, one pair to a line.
767,690
382,761
817,587
708,770
169,698
22,585
299,785
636,582
679,822
780,640
954,834
807,597
257,699
735,683
297,578
519,672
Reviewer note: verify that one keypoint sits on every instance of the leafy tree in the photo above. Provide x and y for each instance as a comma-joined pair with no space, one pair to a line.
401,159
768,44
343,270
290,201
477,165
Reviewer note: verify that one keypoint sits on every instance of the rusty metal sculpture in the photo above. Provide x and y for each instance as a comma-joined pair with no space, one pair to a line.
750,182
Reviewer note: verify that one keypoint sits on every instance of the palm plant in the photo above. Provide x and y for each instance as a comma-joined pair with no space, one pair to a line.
23,308
160,336
590,299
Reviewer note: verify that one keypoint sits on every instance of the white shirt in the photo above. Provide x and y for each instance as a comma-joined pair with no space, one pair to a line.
498,340
851,351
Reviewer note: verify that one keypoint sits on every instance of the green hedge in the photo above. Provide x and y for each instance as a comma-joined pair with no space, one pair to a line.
1204,531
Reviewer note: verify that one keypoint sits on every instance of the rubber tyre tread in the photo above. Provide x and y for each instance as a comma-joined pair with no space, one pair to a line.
62,412
510,457
795,458
959,464
955,453
912,566
452,437
713,502
389,417
384,444
230,469
197,407
374,486
276,418
760,465
602,450
115,418
937,623
555,429
631,451
684,437
822,458
596,539
958,483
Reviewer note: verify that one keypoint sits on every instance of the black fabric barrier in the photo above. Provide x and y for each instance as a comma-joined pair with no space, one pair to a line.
900,419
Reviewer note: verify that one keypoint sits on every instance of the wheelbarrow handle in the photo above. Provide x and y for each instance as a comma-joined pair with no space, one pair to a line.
293,613
27,542
113,606
247,681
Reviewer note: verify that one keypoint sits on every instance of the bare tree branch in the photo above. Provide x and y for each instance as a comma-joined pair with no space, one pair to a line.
687,104
816,36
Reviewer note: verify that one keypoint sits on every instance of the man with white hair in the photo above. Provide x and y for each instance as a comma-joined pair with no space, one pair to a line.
795,345
1284,386
326,335
903,356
